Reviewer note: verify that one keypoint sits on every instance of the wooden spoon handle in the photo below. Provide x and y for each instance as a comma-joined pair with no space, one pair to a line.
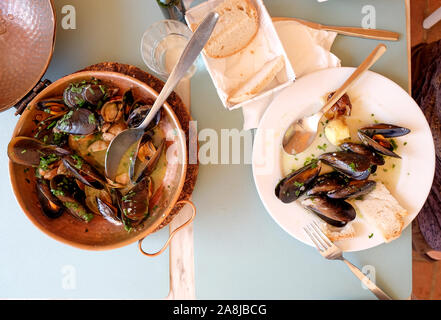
364,33
362,68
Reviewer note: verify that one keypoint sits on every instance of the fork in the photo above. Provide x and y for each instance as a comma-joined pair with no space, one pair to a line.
331,252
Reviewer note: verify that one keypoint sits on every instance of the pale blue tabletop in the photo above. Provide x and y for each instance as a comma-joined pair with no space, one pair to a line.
240,252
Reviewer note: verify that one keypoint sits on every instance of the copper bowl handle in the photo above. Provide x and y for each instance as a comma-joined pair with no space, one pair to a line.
172,234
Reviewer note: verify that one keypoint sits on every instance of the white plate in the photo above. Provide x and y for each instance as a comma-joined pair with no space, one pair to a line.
377,95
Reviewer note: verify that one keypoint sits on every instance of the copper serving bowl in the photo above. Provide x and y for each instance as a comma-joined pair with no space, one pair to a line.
99,234
27,36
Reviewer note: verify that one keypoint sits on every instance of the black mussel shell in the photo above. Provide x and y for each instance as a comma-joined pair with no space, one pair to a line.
108,211
353,189
54,107
79,94
138,115
29,151
376,145
335,212
386,130
353,165
78,122
68,192
296,183
135,204
51,206
84,172
326,183
128,101
362,149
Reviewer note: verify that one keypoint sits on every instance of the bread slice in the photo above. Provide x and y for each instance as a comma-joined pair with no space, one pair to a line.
236,28
257,82
337,234
380,209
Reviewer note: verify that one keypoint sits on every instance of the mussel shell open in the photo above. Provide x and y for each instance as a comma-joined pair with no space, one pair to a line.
108,211
138,115
29,151
353,189
51,206
376,146
84,172
67,191
296,183
335,212
353,165
386,130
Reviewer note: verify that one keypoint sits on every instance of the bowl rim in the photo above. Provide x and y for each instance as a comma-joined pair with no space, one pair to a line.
154,226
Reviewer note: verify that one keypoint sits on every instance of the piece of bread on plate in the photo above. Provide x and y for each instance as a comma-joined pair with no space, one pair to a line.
236,28
258,81
337,234
381,210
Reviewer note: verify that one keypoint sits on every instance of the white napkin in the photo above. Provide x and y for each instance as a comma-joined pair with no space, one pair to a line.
308,50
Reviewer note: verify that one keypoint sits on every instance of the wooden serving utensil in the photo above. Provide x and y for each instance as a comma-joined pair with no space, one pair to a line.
348,31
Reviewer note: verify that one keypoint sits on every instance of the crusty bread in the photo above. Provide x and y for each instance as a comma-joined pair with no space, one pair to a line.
258,81
336,234
380,209
236,28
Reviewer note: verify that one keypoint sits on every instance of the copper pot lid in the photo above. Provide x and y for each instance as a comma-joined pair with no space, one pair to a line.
27,34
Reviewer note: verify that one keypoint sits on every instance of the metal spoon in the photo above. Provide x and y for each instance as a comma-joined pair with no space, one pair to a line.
301,133
126,139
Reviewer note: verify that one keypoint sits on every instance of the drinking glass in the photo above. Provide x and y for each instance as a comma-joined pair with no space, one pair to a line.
162,45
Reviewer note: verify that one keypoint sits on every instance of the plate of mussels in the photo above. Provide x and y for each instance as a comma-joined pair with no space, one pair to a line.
368,172
57,161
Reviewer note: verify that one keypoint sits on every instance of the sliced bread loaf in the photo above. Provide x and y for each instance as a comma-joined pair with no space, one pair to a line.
383,211
258,81
236,28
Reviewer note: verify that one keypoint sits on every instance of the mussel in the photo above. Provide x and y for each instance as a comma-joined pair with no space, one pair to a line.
54,107
138,115
79,94
67,191
135,204
353,165
296,183
353,189
364,150
380,144
30,152
384,129
84,172
108,211
335,212
327,183
147,159
51,206
78,122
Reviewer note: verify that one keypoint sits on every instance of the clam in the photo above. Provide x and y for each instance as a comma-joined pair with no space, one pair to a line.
384,129
353,165
379,144
335,212
147,160
353,189
78,122
112,111
296,183
30,152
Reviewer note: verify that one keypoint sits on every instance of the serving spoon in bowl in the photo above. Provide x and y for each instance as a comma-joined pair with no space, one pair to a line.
126,139
301,133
